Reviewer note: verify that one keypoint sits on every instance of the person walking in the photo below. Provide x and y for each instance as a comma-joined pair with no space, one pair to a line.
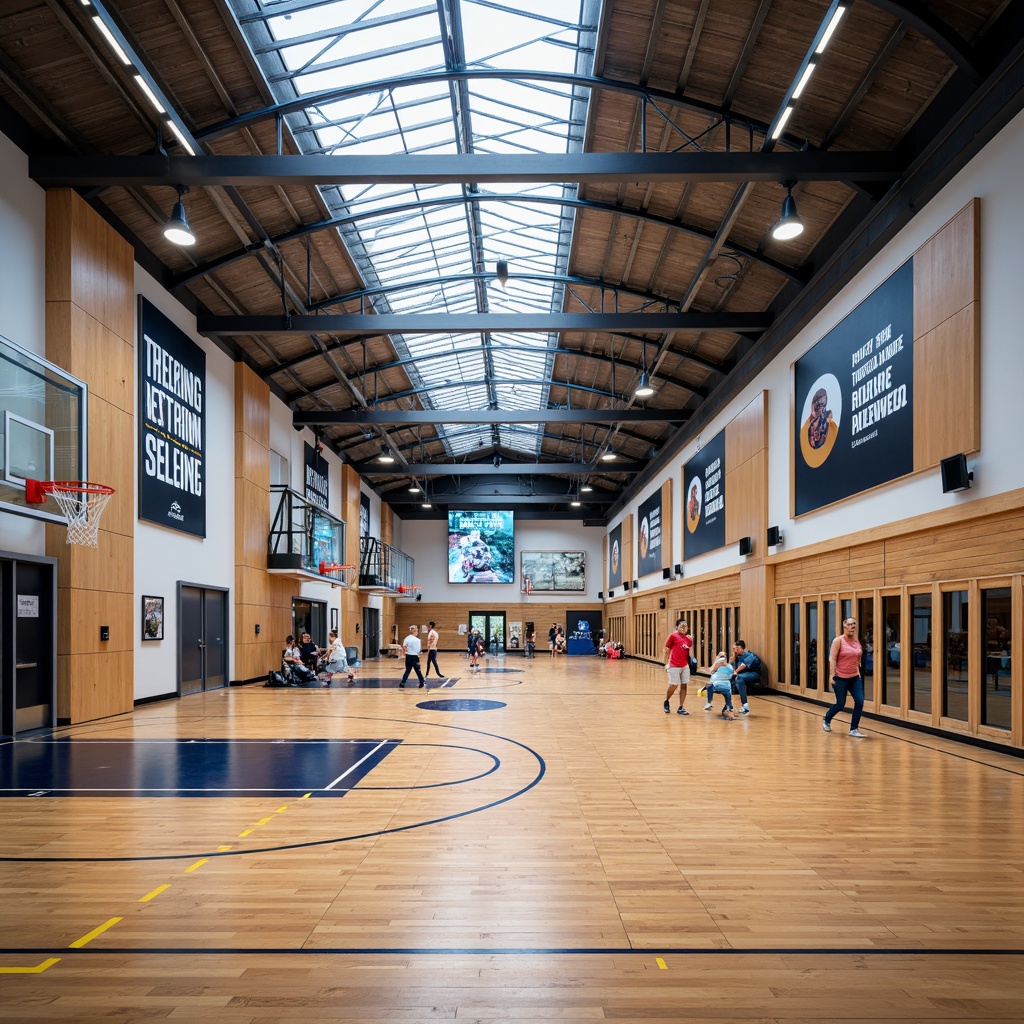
412,647
432,639
335,660
677,665
844,661
531,642
552,634
475,648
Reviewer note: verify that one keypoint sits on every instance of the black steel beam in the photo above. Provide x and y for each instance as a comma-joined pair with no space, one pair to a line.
447,323
378,417
502,472
94,171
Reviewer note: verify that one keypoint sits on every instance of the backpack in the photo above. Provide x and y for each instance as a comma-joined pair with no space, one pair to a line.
755,664
275,679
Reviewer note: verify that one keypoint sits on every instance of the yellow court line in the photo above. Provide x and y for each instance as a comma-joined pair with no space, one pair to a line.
262,822
198,864
38,969
79,943
305,796
223,849
156,892
661,963
280,809
247,832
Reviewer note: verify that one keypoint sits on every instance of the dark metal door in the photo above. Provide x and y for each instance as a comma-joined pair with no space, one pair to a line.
191,641
33,646
371,633
215,642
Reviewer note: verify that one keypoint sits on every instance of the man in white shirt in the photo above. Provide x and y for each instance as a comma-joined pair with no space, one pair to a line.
412,647
432,639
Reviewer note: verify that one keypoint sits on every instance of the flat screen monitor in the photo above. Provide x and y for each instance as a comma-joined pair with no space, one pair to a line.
481,547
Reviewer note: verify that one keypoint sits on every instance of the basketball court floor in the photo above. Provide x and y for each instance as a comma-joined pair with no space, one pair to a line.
535,842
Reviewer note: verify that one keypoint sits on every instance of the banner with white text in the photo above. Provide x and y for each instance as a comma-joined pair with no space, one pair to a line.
172,425
704,499
854,408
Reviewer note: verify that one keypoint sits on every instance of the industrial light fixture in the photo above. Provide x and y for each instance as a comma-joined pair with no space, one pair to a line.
385,455
586,488
789,224
497,461
644,389
576,502
608,457
414,488
176,229
501,272
426,504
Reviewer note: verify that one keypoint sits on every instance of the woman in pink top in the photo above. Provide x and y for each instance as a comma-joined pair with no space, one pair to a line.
844,666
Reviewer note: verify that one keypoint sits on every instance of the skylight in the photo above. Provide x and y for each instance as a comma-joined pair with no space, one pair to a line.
436,247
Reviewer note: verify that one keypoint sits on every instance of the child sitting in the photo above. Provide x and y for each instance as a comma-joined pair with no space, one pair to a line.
721,682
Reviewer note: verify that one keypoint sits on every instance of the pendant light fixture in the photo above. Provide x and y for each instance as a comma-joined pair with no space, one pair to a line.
176,229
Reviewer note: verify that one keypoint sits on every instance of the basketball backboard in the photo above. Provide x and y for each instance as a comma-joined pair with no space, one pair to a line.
43,416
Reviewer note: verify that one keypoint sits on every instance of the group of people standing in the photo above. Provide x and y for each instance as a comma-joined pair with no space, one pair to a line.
412,646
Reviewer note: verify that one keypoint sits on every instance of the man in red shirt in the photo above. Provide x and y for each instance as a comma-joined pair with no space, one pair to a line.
677,665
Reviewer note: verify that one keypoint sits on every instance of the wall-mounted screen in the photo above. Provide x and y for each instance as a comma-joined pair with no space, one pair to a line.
481,547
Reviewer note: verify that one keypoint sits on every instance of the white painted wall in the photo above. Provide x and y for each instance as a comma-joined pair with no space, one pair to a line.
164,557
993,177
427,543
22,299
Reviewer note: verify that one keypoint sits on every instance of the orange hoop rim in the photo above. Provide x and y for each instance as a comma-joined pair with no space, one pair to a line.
37,490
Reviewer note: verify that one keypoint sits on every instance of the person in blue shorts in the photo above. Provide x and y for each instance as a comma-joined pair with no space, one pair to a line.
721,682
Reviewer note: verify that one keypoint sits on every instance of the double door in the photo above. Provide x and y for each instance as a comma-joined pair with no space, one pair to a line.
202,638
492,628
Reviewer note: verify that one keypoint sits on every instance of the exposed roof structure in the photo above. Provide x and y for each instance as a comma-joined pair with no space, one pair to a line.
467,232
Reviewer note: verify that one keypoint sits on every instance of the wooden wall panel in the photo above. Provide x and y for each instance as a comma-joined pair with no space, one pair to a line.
252,523
947,275
628,544
746,501
252,408
807,575
90,327
867,564
747,433
947,379
667,523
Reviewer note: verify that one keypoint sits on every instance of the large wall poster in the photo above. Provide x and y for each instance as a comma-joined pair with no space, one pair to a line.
704,499
649,536
854,403
172,425
481,547
554,570
317,481
615,557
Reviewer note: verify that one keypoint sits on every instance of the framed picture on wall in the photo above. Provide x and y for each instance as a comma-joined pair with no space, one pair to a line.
152,618
555,570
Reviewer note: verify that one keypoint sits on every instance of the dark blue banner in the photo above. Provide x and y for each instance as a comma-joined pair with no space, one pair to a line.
172,425
615,557
704,499
854,404
317,478
648,544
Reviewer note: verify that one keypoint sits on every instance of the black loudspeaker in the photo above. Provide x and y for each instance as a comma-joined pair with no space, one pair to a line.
611,593
745,546
661,602
625,585
600,595
955,475
634,584
773,536
666,574
679,568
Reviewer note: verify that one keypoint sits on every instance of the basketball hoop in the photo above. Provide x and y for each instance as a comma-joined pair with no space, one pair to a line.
405,588
345,574
81,502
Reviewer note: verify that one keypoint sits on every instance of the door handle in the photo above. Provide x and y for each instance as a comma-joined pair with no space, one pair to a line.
26,664
201,644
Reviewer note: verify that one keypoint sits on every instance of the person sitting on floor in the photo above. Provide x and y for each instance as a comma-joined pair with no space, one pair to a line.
292,668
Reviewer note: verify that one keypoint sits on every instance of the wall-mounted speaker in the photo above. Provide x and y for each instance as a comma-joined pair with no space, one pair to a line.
635,584
666,574
611,593
955,475
679,568
774,537
625,584
746,546
661,602
600,595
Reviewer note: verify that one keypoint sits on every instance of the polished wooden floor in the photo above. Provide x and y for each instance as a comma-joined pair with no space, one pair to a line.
571,854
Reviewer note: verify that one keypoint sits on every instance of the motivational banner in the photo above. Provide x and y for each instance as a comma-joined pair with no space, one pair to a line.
316,479
615,557
649,535
704,499
854,404
172,425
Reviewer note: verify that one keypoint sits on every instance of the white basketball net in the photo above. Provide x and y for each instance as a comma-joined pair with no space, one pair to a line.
82,510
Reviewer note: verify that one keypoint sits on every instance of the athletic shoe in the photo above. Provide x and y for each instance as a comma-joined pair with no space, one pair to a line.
682,711
746,710
422,685
857,734
826,726
707,707
401,686
668,707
